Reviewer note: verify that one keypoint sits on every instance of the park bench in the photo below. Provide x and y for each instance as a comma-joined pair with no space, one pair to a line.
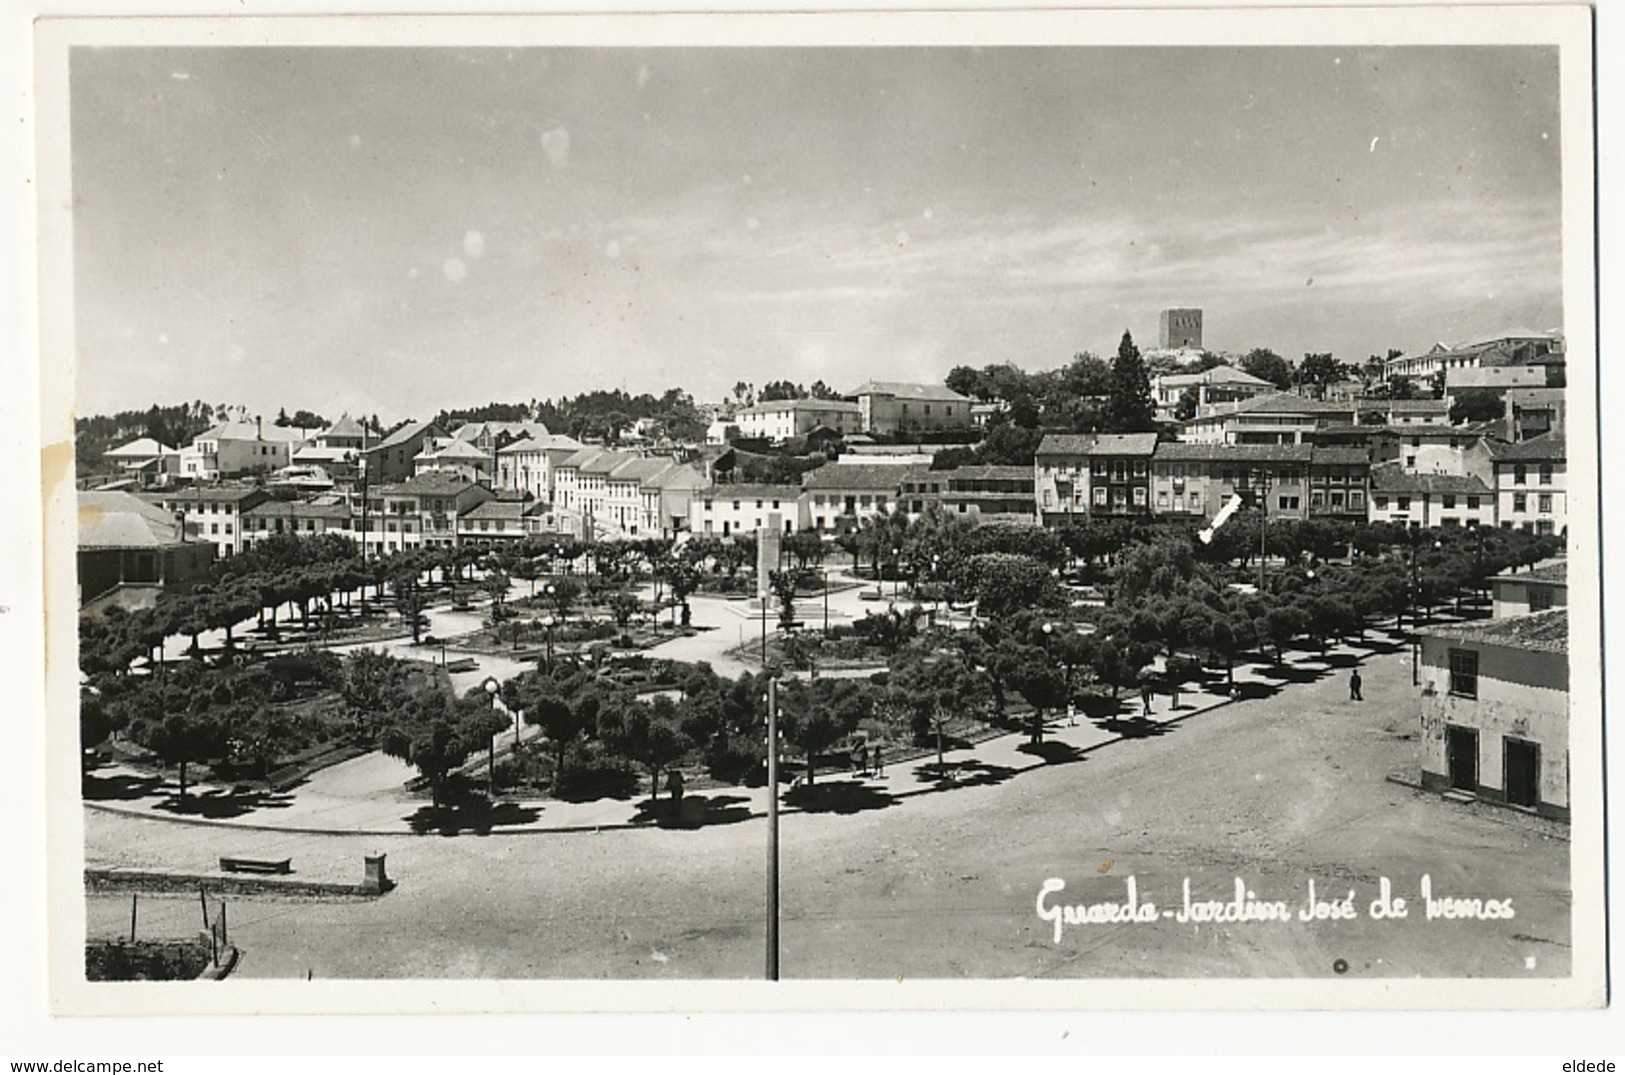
462,664
239,864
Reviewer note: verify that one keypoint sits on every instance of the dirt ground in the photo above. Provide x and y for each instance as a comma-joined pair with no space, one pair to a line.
1278,792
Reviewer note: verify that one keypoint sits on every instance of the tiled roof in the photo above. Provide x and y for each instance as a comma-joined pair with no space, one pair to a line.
473,430
845,406
1535,397
1555,571
909,390
1216,375
297,509
114,520
753,492
1260,453
144,448
434,483
253,431
1123,444
402,435
553,442
1546,632
1419,406
1547,447
1338,456
639,469
213,494
344,427
1390,479
1278,403
504,509
859,476
988,472
1065,443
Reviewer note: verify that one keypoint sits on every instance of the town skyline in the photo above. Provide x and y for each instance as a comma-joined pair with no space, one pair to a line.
395,231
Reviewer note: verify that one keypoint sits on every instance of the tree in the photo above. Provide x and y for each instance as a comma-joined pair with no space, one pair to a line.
648,733
410,603
816,714
1319,370
1041,685
1130,408
374,685
435,733
1266,364
550,707
1005,582
1476,405
1185,409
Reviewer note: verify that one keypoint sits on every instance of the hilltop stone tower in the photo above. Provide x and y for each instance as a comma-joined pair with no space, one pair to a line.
1179,328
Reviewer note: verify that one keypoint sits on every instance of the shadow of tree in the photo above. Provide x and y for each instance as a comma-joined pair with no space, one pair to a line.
473,816
1052,751
121,786
838,797
1341,660
1135,728
966,774
1288,673
218,803
698,811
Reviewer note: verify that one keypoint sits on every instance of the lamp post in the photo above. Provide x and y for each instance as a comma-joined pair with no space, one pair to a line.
491,688
823,569
936,588
548,623
896,570
1263,523
773,830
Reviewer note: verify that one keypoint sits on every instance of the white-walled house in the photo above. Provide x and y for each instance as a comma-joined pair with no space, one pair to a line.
1495,711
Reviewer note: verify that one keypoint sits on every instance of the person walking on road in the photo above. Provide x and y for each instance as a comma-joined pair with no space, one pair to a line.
1354,686
674,784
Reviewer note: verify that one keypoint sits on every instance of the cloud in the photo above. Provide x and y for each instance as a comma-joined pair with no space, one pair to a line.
455,269
556,144
473,244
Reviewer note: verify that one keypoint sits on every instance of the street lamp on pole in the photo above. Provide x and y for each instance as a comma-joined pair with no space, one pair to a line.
772,829
491,689
548,623
896,570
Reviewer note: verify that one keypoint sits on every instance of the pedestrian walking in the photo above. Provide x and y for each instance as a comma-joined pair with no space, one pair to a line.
1145,699
674,784
1071,714
880,762
1354,686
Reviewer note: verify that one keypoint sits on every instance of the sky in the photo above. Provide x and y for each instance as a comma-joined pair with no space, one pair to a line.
395,231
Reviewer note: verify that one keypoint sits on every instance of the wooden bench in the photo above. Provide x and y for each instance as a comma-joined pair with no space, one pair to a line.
238,864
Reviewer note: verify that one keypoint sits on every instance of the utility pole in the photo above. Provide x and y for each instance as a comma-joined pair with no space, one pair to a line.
772,830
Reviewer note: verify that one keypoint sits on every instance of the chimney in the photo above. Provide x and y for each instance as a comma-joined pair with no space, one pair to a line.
259,427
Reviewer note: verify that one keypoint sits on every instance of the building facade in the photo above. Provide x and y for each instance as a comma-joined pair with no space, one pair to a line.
1495,711
1531,484
787,419
897,407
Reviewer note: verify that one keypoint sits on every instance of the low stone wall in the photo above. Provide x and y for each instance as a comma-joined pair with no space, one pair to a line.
103,879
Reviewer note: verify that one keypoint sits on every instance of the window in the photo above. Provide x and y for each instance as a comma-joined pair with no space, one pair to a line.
1140,468
1380,503
1520,502
1540,598
1449,500
1472,503
1520,474
1287,503
1049,498
1545,506
1404,503
1317,499
1410,460
1543,526
1545,474
1100,496
1196,501
1464,673
1162,498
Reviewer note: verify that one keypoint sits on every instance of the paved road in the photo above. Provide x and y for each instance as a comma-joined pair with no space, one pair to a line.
1278,792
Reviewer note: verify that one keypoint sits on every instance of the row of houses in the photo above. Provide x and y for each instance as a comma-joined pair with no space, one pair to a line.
887,408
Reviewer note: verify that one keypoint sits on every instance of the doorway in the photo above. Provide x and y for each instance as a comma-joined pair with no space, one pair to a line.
1522,772
1461,757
